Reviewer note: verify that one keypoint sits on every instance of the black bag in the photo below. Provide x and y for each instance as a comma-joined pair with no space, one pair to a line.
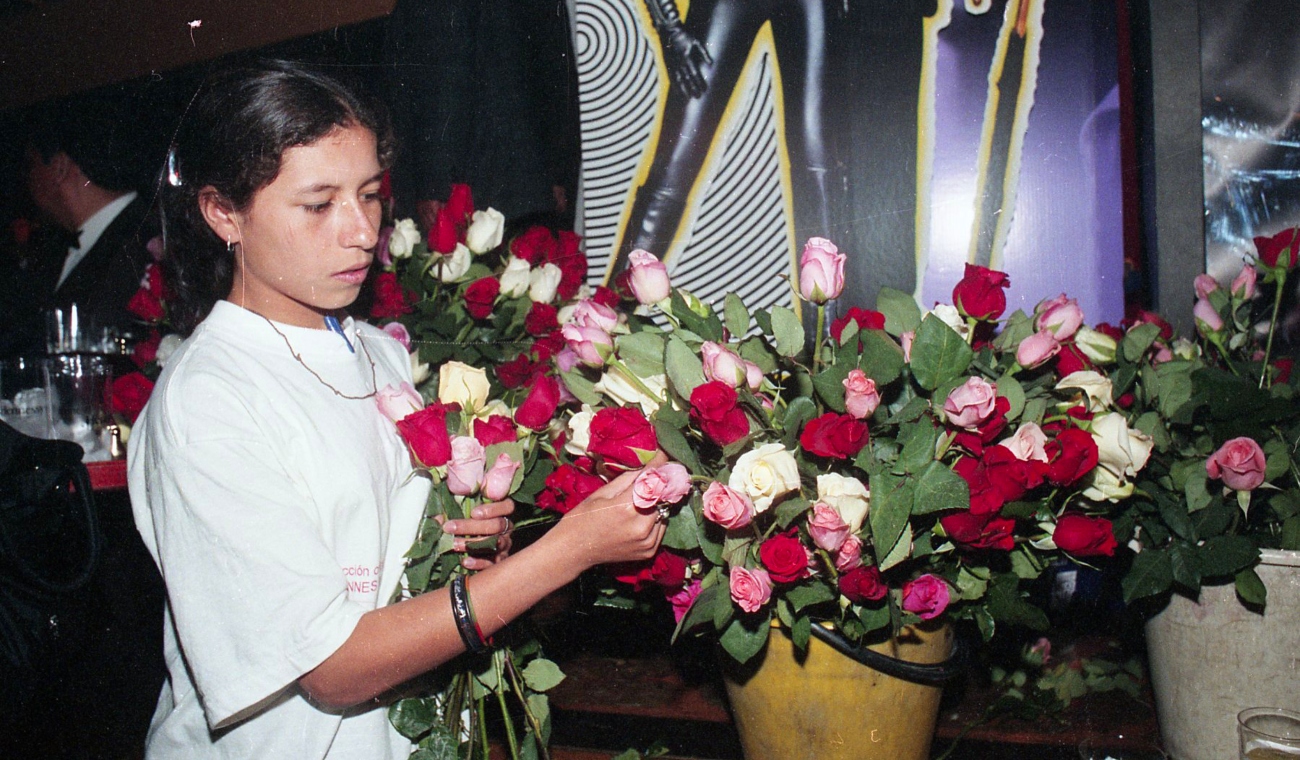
49,542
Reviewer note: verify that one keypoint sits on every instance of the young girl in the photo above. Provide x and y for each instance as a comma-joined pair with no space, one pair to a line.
276,499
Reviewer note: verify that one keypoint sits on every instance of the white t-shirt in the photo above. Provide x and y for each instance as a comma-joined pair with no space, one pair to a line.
278,514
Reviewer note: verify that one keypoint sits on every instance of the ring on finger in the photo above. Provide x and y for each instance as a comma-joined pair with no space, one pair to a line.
509,526
663,514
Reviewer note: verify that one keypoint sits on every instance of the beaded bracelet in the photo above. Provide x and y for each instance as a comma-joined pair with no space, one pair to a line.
463,613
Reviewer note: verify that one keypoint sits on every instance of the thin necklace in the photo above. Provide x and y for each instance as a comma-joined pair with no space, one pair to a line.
374,381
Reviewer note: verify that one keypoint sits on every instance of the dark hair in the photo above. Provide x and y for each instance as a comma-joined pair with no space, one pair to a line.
231,138
100,131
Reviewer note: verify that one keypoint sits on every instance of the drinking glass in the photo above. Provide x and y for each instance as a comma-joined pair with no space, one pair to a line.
1268,733
78,393
24,396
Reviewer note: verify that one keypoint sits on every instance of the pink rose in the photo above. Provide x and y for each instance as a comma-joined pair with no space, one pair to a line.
465,471
1061,316
1207,317
750,589
860,395
497,481
727,507
827,529
971,403
395,402
566,359
927,596
1037,349
1204,285
666,484
683,599
821,271
1239,463
648,277
1028,442
398,332
850,554
723,364
588,313
592,344
1243,285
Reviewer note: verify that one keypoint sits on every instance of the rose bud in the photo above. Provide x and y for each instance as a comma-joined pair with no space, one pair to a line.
1204,285
1207,317
723,365
1037,349
860,395
1084,536
980,294
465,471
647,277
1243,285
970,403
395,402
497,481
485,231
821,271
592,344
1061,316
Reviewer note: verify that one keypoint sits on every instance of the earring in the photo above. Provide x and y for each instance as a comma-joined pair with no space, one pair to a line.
230,246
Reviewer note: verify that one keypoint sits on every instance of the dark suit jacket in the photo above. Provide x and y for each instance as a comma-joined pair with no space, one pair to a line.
103,282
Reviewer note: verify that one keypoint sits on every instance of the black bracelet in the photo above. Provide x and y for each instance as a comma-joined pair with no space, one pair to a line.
463,614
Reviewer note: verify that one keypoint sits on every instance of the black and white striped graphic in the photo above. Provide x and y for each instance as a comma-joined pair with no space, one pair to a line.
738,236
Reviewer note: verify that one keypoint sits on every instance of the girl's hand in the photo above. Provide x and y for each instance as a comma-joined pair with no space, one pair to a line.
485,521
607,528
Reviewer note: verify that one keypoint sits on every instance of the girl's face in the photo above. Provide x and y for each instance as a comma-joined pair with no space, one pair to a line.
307,239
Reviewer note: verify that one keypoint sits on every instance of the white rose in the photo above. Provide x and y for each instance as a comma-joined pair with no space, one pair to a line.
462,384
453,266
1095,386
514,280
1121,453
615,384
166,347
847,496
1185,349
402,242
485,230
1104,485
1098,347
542,283
765,473
951,317
579,432
419,370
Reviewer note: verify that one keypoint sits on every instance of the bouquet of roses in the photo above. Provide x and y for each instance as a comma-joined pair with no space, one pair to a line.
1222,414
898,468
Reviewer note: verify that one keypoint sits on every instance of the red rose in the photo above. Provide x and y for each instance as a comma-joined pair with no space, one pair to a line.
460,205
146,350
481,296
980,532
517,371
866,319
984,498
566,488
129,394
572,263
391,299
784,557
538,409
714,409
1070,456
145,305
1138,316
1071,359
541,319
1110,331
386,186
863,584
1279,249
445,233
605,296
495,429
837,436
1011,477
547,346
535,245
1084,536
426,435
667,570
621,435
980,293
1283,369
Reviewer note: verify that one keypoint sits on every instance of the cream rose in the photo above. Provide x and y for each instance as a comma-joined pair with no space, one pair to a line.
953,318
485,229
615,384
847,496
419,370
579,432
454,265
166,347
462,384
514,280
1099,347
1121,453
543,282
403,240
765,473
1095,386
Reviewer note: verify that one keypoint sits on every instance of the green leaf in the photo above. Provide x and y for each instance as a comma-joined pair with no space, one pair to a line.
1035,408
676,446
830,385
582,388
939,488
901,551
882,358
972,582
891,505
737,316
797,414
789,510
742,641
684,531
787,330
1222,556
703,608
1009,607
900,310
1250,588
1137,340
1015,329
642,352
1184,566
919,443
800,632
757,351
1175,514
1290,534
440,744
707,327
939,354
542,675
1150,574
683,366
1278,461
809,593
1010,389
413,717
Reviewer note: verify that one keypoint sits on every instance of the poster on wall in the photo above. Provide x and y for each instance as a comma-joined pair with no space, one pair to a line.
919,135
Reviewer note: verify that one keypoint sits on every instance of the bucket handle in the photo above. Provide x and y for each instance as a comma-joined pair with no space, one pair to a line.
916,672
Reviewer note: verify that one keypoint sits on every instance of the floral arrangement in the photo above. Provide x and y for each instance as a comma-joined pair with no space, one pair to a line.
130,391
1221,411
900,467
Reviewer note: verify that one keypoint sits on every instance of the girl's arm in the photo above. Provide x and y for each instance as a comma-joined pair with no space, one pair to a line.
393,644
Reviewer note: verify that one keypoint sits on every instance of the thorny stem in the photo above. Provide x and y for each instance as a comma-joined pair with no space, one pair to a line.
528,713
497,658
817,337
1272,328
